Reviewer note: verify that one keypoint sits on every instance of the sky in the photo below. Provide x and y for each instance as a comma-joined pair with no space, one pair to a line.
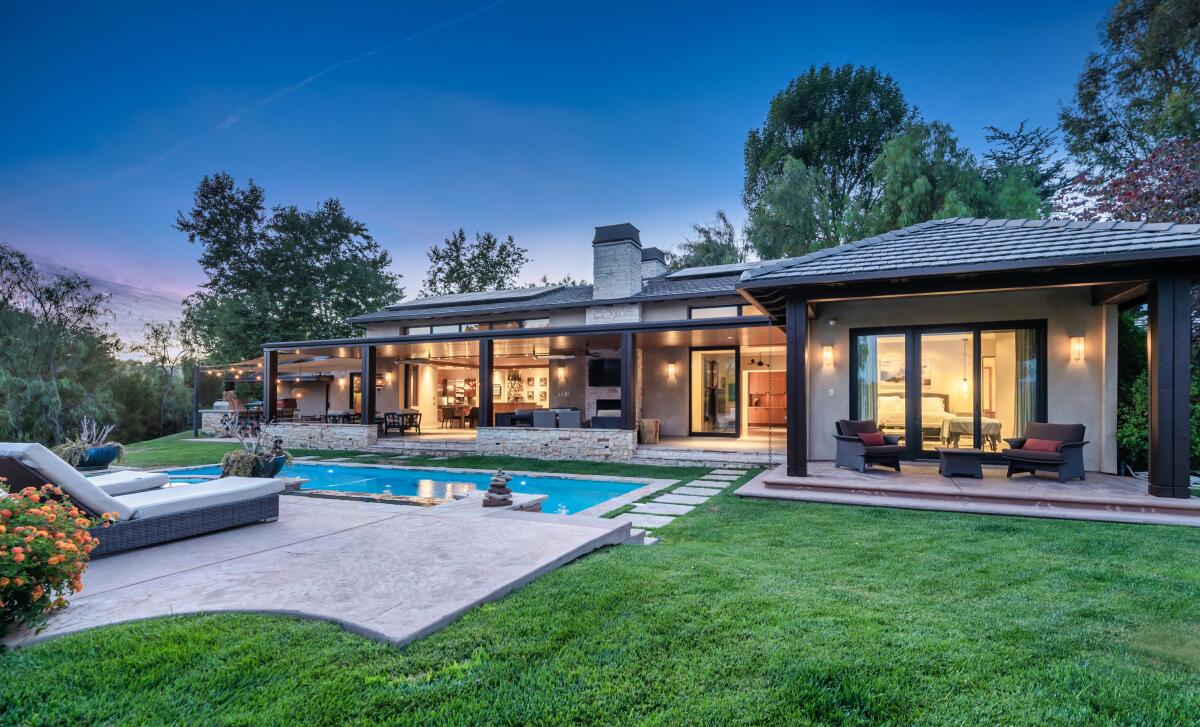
538,120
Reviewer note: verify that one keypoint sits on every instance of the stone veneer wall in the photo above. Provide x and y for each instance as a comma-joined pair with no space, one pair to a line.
620,313
210,421
319,435
610,445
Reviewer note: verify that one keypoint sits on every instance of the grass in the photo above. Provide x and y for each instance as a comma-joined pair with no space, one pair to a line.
751,612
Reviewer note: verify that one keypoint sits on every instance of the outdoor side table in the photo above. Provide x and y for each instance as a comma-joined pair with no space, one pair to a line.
960,462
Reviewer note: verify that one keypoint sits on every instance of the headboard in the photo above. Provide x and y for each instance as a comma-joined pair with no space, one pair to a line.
944,397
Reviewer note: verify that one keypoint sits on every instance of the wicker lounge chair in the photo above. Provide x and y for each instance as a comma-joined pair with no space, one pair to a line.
149,516
852,452
1066,460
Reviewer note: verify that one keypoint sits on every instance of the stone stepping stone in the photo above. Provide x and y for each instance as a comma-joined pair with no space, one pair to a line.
722,478
337,459
709,483
302,459
658,508
702,491
730,471
649,522
673,499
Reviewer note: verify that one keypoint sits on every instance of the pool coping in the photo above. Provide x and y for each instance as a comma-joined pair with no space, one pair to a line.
652,486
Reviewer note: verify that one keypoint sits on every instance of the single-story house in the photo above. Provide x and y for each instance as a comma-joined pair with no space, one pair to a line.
950,333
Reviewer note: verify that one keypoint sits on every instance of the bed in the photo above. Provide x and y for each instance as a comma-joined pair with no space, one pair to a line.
937,422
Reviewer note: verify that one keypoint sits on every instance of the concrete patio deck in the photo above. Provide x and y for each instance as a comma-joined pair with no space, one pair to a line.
919,486
389,572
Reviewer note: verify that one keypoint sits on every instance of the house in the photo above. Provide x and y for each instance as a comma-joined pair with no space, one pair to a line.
952,332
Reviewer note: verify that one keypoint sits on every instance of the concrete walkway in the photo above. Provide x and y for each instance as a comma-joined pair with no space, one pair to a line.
681,500
391,572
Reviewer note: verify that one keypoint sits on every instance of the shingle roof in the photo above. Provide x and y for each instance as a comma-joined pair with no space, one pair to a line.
486,296
983,243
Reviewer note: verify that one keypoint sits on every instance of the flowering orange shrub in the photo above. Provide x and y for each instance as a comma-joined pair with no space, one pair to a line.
44,546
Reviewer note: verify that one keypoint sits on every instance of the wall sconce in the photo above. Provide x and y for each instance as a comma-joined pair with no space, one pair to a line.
387,378
827,356
671,371
561,373
1076,348
341,382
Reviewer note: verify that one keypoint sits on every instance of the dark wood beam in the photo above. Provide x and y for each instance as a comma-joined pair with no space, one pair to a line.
1118,293
1170,385
370,367
270,397
628,404
196,400
485,383
797,387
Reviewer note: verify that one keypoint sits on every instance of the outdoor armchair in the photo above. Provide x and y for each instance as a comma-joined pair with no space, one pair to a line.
1058,448
856,454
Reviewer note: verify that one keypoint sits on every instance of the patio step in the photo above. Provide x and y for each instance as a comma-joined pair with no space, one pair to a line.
638,536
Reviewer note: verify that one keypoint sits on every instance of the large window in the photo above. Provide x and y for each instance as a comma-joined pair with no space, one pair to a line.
974,386
477,326
732,310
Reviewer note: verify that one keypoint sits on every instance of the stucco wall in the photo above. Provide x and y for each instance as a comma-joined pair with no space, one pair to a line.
1077,391
661,397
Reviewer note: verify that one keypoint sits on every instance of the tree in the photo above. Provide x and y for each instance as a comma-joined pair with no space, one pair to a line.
1031,151
291,275
716,243
1163,187
787,220
53,344
836,122
1143,88
458,266
164,349
925,175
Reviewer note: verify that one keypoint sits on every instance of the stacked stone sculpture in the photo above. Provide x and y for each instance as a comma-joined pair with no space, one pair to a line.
498,493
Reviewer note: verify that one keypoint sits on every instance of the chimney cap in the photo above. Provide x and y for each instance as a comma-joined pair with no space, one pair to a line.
617,233
653,253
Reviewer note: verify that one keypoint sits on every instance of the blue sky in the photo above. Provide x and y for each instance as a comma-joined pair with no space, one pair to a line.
538,120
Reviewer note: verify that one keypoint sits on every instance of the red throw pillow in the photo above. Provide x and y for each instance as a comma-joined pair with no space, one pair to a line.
872,439
1042,445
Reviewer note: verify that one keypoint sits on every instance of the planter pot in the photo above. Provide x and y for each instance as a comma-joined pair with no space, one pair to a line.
100,457
268,467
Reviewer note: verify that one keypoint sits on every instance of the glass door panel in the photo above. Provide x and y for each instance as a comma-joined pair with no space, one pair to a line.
714,394
947,404
1007,384
880,382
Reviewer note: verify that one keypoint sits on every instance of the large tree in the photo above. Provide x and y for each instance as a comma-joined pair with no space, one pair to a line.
459,266
164,349
787,221
1031,151
715,243
292,274
1142,88
836,122
1163,187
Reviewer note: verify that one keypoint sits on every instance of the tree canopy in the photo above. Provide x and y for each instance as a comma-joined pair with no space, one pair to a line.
459,266
1141,89
836,122
294,274
715,243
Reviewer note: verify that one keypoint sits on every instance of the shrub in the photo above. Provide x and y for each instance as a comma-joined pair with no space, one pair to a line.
44,546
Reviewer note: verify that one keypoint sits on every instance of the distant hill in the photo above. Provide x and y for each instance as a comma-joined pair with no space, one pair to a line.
132,307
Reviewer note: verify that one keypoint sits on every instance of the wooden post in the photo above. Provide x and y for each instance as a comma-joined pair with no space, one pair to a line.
1170,385
797,386
367,384
270,397
485,383
196,399
628,403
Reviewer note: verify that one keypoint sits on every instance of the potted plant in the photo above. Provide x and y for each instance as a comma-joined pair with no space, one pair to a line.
255,458
91,449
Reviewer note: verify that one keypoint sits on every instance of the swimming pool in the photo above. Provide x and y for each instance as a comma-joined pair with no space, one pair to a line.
562,495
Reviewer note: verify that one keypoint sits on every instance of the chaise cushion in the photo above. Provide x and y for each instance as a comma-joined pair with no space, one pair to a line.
872,439
1033,455
885,449
124,483
1041,445
173,500
57,472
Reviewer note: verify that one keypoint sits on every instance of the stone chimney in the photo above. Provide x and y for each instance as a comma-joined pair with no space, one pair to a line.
654,262
616,262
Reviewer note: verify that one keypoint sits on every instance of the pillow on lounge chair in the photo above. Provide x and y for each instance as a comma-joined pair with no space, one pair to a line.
57,472
1042,445
872,439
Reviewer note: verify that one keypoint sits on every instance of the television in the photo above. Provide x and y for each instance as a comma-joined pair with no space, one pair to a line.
604,372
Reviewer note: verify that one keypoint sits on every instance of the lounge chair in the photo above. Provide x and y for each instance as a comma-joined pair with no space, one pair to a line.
129,481
569,419
854,453
1062,452
149,516
545,419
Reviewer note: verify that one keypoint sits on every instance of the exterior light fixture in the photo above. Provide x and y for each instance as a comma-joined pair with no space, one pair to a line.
562,373
1077,346
827,356
671,371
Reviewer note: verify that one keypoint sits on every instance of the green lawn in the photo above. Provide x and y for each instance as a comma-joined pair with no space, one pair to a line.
747,613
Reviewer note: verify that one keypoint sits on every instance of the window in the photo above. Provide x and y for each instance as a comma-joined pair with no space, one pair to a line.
449,328
417,331
714,311
535,323
473,327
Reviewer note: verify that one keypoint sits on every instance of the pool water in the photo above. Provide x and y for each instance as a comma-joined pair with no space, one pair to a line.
562,495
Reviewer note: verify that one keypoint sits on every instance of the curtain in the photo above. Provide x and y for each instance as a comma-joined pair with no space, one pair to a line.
867,378
1026,392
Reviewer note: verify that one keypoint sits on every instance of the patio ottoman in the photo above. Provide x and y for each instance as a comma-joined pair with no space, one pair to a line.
960,462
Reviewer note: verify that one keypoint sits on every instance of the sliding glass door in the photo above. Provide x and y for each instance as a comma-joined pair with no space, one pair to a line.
714,395
974,385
